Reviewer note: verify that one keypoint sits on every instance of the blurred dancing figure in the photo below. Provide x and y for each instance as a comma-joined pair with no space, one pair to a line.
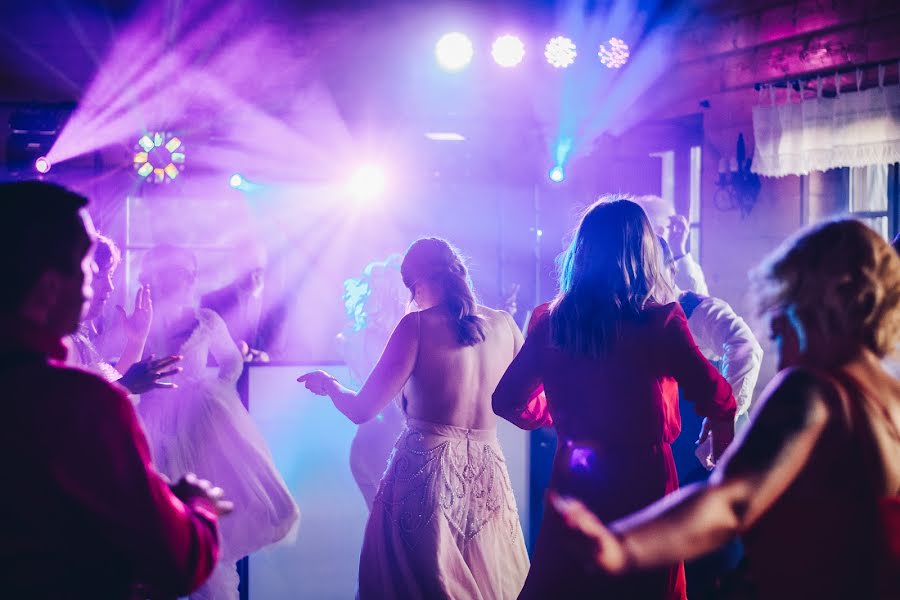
246,307
610,357
675,229
375,303
813,485
202,427
444,523
84,514
136,375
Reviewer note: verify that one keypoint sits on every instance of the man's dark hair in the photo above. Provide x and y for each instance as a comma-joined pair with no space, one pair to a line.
42,231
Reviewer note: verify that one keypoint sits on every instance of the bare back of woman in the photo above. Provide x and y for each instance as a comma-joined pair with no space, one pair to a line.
452,384
444,523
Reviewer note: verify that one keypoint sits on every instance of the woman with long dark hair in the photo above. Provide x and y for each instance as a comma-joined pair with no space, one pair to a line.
444,522
610,356
813,485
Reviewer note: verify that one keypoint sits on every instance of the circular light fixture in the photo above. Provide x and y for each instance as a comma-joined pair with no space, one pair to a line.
42,165
368,182
557,174
615,55
560,52
508,51
454,51
159,157
236,181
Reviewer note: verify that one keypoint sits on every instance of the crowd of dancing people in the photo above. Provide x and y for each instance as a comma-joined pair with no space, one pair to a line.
145,477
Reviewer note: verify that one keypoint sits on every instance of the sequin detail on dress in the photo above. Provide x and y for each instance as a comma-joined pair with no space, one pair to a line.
463,478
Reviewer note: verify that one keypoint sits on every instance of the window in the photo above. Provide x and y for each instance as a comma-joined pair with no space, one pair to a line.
866,193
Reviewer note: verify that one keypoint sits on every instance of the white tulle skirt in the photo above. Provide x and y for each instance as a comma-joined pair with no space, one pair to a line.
203,428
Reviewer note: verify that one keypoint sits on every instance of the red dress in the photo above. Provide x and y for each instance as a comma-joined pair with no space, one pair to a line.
615,417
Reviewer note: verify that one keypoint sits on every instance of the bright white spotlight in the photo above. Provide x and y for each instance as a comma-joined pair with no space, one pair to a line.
453,51
615,55
508,51
557,174
560,52
42,165
236,181
367,182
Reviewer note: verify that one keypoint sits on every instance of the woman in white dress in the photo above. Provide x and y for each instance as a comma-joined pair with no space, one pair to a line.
444,523
201,427
137,376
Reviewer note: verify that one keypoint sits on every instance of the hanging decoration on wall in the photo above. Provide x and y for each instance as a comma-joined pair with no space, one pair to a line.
738,187
159,157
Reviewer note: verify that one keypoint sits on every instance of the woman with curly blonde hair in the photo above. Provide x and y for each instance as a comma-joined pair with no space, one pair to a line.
814,484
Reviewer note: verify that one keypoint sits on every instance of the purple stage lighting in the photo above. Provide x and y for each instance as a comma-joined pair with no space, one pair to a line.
367,183
236,181
557,174
42,165
159,154
560,52
508,51
453,51
615,55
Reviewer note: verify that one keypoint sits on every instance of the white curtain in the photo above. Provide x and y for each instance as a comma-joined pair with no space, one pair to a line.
854,129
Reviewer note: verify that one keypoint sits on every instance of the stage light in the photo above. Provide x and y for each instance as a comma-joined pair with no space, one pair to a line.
557,174
453,51
615,55
445,136
42,165
160,154
236,181
560,52
508,51
367,182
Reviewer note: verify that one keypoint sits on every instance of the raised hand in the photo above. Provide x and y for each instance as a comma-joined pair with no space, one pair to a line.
191,487
678,235
137,326
591,541
318,382
145,375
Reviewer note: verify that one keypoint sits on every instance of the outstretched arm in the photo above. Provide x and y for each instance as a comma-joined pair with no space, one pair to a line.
387,379
698,519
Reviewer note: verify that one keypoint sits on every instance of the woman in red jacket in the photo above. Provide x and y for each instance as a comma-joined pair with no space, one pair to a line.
610,356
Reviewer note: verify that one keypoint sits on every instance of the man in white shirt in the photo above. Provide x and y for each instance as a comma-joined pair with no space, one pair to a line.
727,341
723,337
675,230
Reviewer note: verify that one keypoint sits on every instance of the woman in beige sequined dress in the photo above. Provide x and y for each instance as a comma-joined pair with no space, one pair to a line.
444,523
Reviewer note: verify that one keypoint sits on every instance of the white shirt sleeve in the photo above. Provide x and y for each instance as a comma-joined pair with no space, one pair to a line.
689,276
722,333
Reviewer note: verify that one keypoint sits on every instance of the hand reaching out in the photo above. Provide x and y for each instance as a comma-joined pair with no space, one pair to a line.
318,382
137,326
145,375
190,487
591,541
